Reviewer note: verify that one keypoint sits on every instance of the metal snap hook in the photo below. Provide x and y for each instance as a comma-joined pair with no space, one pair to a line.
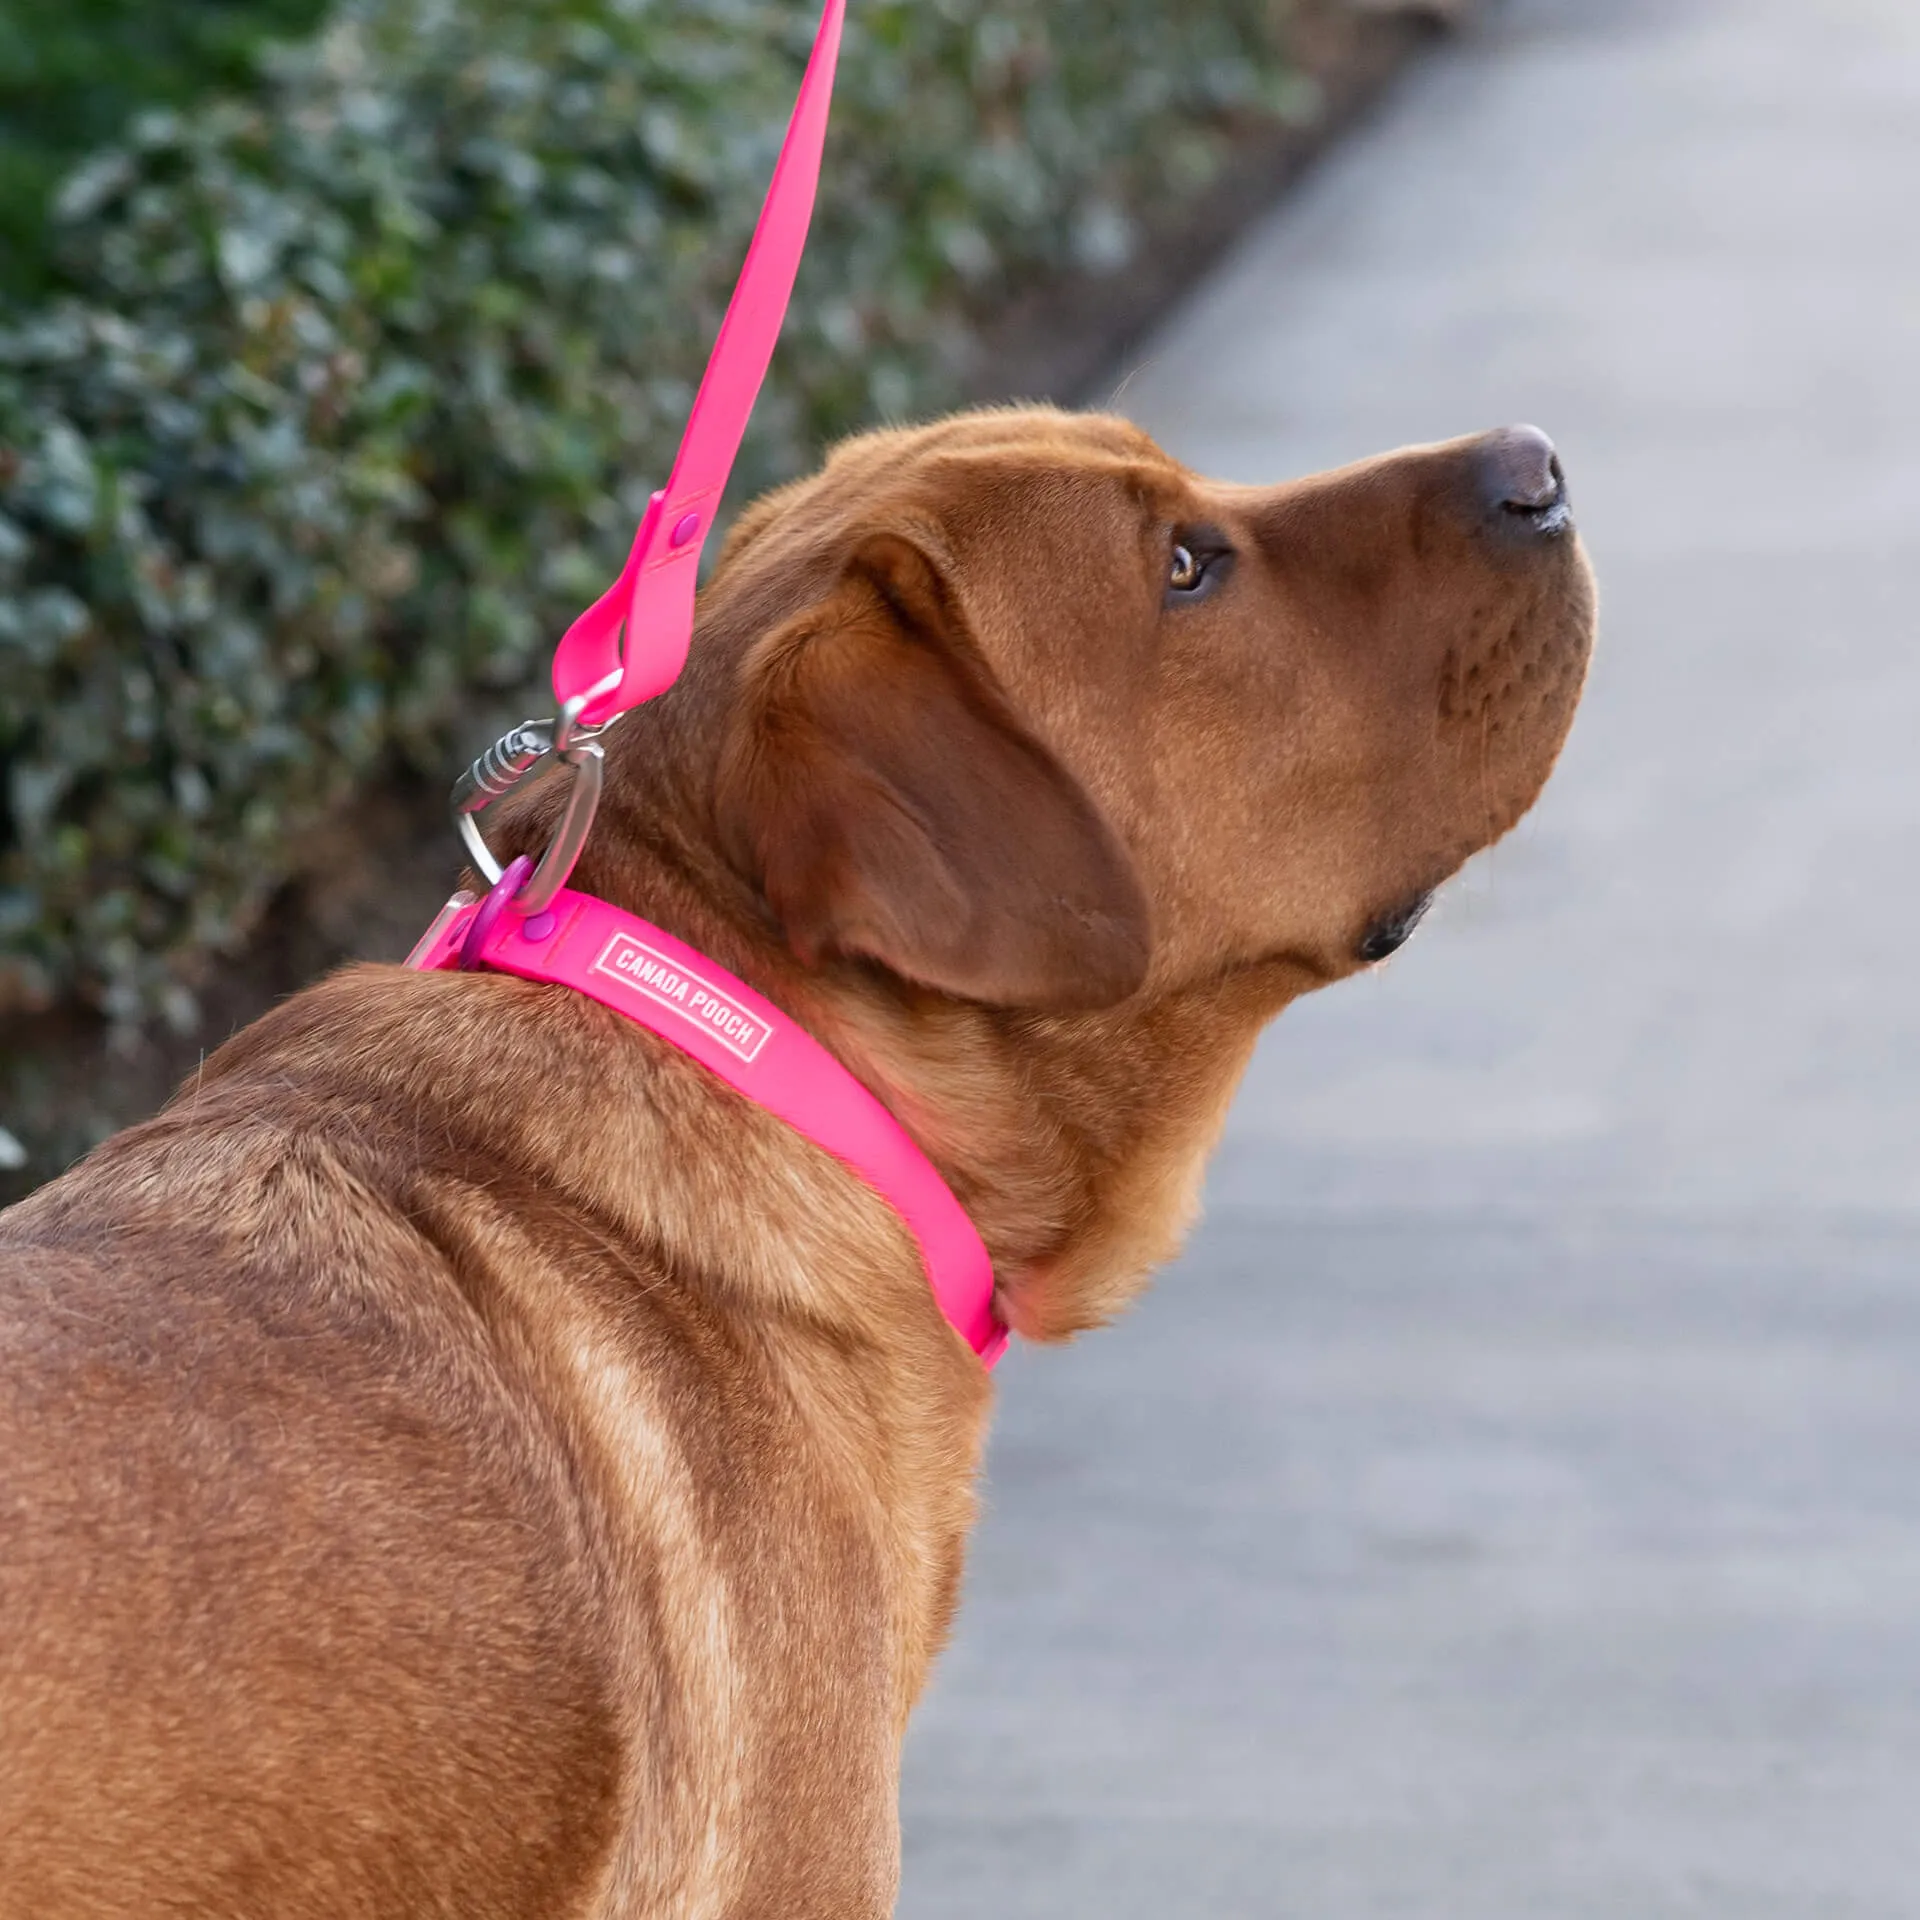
517,757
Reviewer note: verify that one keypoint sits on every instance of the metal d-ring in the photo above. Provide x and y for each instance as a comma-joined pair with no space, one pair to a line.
519,756
576,822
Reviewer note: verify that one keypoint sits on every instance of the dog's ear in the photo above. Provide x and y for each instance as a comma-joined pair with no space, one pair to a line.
885,797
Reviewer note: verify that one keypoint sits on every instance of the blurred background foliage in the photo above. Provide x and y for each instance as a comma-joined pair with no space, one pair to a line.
327,399
72,73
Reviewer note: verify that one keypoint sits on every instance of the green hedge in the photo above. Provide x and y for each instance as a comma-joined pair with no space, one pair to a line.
366,379
72,72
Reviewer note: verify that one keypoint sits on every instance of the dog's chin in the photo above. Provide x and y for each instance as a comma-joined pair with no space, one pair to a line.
1391,931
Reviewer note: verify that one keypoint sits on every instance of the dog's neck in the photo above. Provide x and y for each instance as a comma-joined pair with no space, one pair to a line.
1076,1142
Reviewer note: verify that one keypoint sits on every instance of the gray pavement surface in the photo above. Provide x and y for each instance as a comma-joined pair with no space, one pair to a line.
1510,1507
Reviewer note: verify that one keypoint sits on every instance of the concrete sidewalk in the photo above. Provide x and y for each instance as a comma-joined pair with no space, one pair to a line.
1511,1506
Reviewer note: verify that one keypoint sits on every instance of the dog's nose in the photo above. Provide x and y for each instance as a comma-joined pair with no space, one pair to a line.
1521,481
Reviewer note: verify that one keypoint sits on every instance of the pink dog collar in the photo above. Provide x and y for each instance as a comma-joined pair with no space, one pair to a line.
660,983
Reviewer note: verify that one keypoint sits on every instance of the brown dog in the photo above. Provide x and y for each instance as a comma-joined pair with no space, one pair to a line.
460,1459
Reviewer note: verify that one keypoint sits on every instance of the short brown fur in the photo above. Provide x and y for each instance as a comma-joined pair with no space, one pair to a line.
459,1459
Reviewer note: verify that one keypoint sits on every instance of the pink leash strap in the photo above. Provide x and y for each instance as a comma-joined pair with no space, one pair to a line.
662,984
652,601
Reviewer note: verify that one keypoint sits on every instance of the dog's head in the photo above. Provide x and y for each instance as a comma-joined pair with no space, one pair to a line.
1015,714
1059,720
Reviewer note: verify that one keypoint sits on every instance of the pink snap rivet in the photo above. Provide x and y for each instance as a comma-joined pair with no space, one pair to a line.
538,927
684,529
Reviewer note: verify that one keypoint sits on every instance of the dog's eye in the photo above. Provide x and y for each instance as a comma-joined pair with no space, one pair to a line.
1202,557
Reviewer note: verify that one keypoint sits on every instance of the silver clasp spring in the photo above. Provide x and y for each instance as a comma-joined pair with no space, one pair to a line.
520,756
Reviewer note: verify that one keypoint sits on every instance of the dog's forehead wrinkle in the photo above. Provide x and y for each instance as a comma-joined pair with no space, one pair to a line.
1056,539
1029,479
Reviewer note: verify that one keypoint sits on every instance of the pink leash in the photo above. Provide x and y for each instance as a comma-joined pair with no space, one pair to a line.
533,925
654,593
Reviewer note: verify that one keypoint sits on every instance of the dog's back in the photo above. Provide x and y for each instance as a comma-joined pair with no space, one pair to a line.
383,1532
278,1550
